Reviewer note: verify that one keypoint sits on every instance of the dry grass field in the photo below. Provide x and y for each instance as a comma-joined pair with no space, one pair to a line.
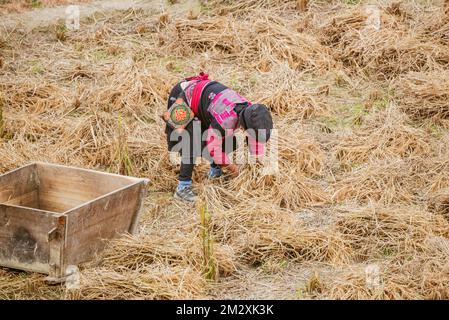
362,112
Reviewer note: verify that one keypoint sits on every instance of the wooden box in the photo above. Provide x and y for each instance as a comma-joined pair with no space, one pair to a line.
53,216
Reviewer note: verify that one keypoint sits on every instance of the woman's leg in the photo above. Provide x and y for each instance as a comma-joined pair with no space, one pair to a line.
186,170
184,188
179,144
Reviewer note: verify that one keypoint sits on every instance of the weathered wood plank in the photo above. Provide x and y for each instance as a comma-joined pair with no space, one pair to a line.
30,200
57,240
59,201
52,216
24,238
136,218
63,188
104,218
22,184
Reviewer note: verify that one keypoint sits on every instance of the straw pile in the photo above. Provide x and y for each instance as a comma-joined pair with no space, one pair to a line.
384,134
409,247
384,51
234,40
21,285
425,95
8,6
361,181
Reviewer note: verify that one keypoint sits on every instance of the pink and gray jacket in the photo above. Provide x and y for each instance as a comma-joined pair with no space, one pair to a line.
219,104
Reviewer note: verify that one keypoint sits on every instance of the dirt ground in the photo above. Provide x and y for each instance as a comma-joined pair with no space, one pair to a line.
363,121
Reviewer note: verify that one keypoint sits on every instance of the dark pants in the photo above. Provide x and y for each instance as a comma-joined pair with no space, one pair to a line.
192,145
186,171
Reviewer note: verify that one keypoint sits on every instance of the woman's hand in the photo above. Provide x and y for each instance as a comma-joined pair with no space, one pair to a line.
233,169
261,160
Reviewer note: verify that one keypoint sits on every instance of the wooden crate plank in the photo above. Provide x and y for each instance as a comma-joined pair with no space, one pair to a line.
136,218
53,215
24,238
59,200
104,218
20,186
57,240
63,188
30,200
